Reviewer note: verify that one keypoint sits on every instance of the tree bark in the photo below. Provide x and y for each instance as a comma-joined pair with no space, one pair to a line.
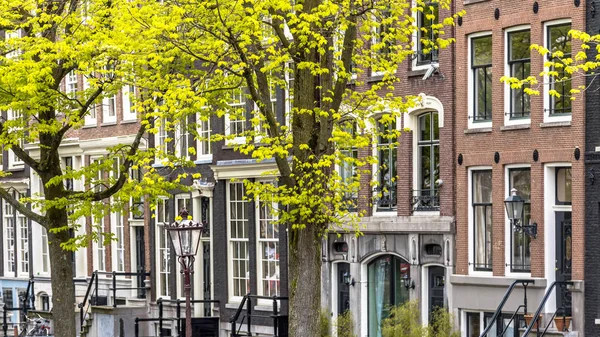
63,290
305,282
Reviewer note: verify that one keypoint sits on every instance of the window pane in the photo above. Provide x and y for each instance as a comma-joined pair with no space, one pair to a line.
482,186
559,39
425,158
563,185
521,180
473,324
425,126
519,45
482,50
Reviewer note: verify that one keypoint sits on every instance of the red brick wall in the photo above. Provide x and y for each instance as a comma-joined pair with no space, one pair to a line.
554,144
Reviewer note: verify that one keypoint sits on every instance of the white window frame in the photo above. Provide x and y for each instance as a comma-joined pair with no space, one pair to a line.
238,102
546,91
374,40
415,116
508,229
45,253
163,251
340,167
91,117
15,162
507,89
109,109
128,94
182,138
161,136
471,82
260,257
23,245
99,246
231,241
415,47
471,222
9,249
203,143
375,153
119,245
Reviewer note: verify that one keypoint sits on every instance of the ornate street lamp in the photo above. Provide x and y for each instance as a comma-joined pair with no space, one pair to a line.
185,235
514,210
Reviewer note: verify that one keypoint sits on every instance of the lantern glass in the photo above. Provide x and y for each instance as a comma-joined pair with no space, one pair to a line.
185,237
514,206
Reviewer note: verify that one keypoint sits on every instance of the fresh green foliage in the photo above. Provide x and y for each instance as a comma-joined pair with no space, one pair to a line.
344,325
404,321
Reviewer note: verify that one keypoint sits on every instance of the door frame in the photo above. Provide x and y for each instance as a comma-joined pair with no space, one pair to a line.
424,285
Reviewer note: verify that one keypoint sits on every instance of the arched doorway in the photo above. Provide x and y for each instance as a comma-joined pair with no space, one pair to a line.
387,275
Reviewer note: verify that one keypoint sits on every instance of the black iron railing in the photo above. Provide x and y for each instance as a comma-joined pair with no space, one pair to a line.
178,319
279,329
425,200
540,307
27,302
498,312
91,294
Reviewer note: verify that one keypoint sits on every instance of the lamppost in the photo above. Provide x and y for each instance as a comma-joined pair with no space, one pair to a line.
185,235
514,210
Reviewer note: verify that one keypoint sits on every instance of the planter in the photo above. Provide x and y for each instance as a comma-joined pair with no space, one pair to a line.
529,318
562,324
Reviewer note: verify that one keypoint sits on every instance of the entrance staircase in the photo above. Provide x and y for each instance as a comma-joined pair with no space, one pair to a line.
244,316
544,327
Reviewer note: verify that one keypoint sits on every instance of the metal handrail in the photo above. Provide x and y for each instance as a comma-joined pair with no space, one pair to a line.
88,294
541,306
247,300
502,303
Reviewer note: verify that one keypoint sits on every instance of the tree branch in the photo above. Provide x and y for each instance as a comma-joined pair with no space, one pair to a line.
21,208
21,154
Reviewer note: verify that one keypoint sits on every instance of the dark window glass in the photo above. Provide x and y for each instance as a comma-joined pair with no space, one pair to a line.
426,197
387,176
563,186
519,62
473,324
347,168
481,66
520,255
482,219
426,51
560,41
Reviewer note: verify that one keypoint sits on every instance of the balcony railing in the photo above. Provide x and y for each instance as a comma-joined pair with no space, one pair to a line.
425,200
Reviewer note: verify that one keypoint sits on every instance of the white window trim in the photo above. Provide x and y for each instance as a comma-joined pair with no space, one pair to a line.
106,118
507,89
550,209
129,114
13,161
91,118
259,257
99,246
180,292
471,81
508,229
118,245
22,220
375,166
235,140
158,257
415,45
546,79
207,155
471,222
182,134
6,238
232,298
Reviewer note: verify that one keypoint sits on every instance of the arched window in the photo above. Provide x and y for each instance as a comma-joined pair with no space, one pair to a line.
387,276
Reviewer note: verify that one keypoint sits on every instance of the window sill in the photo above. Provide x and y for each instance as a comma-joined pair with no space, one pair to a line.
232,305
515,127
470,2
555,124
16,168
109,124
478,130
129,121
90,126
416,73
375,78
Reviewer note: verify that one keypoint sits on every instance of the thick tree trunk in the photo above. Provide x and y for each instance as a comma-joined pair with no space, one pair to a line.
305,282
63,290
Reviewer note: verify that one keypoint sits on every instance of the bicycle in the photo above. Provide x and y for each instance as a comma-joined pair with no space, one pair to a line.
41,327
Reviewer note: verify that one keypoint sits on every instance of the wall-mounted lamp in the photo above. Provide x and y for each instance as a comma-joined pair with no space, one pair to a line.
348,280
408,282
514,210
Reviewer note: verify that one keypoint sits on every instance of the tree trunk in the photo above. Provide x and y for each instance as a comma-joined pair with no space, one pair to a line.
63,290
305,282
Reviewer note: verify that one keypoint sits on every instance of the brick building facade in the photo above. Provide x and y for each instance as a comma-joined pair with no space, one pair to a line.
505,140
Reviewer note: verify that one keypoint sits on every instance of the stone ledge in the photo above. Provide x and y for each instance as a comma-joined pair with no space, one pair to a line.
515,127
493,281
477,130
555,124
